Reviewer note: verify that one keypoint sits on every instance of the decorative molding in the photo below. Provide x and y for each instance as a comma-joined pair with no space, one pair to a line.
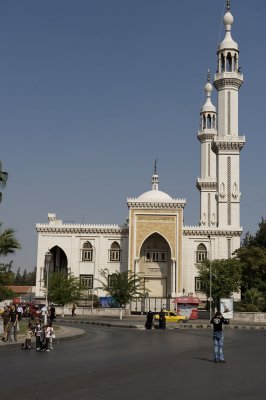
81,229
201,231
206,185
206,134
223,83
229,145
176,204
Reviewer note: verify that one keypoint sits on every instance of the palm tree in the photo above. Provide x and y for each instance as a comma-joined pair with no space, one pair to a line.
8,243
3,179
253,300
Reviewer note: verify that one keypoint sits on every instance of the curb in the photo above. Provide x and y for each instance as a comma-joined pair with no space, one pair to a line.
179,326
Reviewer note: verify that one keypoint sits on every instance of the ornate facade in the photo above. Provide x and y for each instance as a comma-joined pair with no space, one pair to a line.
154,240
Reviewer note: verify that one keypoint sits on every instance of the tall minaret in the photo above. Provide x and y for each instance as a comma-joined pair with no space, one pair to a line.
206,183
228,143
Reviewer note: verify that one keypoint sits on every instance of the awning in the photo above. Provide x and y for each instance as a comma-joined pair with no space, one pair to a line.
186,300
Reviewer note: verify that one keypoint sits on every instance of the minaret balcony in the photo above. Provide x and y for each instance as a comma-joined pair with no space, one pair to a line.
228,143
206,134
228,79
230,75
207,184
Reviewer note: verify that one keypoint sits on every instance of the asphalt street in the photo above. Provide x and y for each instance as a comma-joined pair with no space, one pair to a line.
114,363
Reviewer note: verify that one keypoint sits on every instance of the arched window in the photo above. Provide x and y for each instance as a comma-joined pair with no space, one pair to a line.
201,253
209,122
229,63
115,252
87,252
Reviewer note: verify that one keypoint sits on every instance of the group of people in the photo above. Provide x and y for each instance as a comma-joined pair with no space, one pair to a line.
43,333
149,320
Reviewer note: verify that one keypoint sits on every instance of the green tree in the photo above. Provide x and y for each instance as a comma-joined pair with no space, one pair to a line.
6,293
8,242
257,240
63,288
6,278
253,268
226,278
122,286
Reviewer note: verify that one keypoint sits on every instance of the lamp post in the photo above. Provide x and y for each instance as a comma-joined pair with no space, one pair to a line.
47,263
210,262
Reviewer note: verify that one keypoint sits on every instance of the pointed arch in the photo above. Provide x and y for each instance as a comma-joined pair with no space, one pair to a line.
115,252
59,260
201,253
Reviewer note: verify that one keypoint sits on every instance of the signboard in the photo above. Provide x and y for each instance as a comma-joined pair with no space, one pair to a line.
227,308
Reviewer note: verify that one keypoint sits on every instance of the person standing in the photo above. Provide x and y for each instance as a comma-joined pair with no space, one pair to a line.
13,324
162,320
218,339
52,313
6,322
149,320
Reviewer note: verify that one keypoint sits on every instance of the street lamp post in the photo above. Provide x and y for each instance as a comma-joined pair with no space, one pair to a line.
210,262
47,263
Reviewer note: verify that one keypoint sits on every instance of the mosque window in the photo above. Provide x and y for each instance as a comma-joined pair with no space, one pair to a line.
86,281
87,252
201,253
115,252
198,285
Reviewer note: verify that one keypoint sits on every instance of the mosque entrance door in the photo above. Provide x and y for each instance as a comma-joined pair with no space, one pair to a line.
155,264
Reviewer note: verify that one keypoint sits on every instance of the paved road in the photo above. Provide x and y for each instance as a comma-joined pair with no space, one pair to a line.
113,363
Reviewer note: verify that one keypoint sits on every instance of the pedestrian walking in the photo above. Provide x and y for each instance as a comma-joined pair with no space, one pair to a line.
149,320
218,339
73,310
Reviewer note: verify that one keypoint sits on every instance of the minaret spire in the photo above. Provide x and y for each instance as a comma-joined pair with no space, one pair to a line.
155,177
228,5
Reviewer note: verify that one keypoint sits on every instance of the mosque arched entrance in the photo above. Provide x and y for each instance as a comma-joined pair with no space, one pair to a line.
155,264
59,260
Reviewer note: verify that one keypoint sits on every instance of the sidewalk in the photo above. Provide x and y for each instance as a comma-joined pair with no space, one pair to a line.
65,333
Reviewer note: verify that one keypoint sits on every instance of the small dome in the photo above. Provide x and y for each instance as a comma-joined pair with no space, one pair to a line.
208,87
228,18
154,196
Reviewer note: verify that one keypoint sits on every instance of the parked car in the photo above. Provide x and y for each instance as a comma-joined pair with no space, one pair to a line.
171,316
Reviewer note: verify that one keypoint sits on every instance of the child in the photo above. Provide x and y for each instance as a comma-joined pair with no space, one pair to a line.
49,334
29,334
38,334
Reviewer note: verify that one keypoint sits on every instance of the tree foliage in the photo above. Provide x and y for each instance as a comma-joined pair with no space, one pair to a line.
253,300
257,240
122,286
253,267
8,243
63,288
226,278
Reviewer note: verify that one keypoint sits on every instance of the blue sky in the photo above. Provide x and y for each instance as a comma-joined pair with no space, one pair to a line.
92,91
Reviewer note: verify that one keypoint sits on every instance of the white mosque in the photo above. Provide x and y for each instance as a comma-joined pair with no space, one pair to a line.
154,240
